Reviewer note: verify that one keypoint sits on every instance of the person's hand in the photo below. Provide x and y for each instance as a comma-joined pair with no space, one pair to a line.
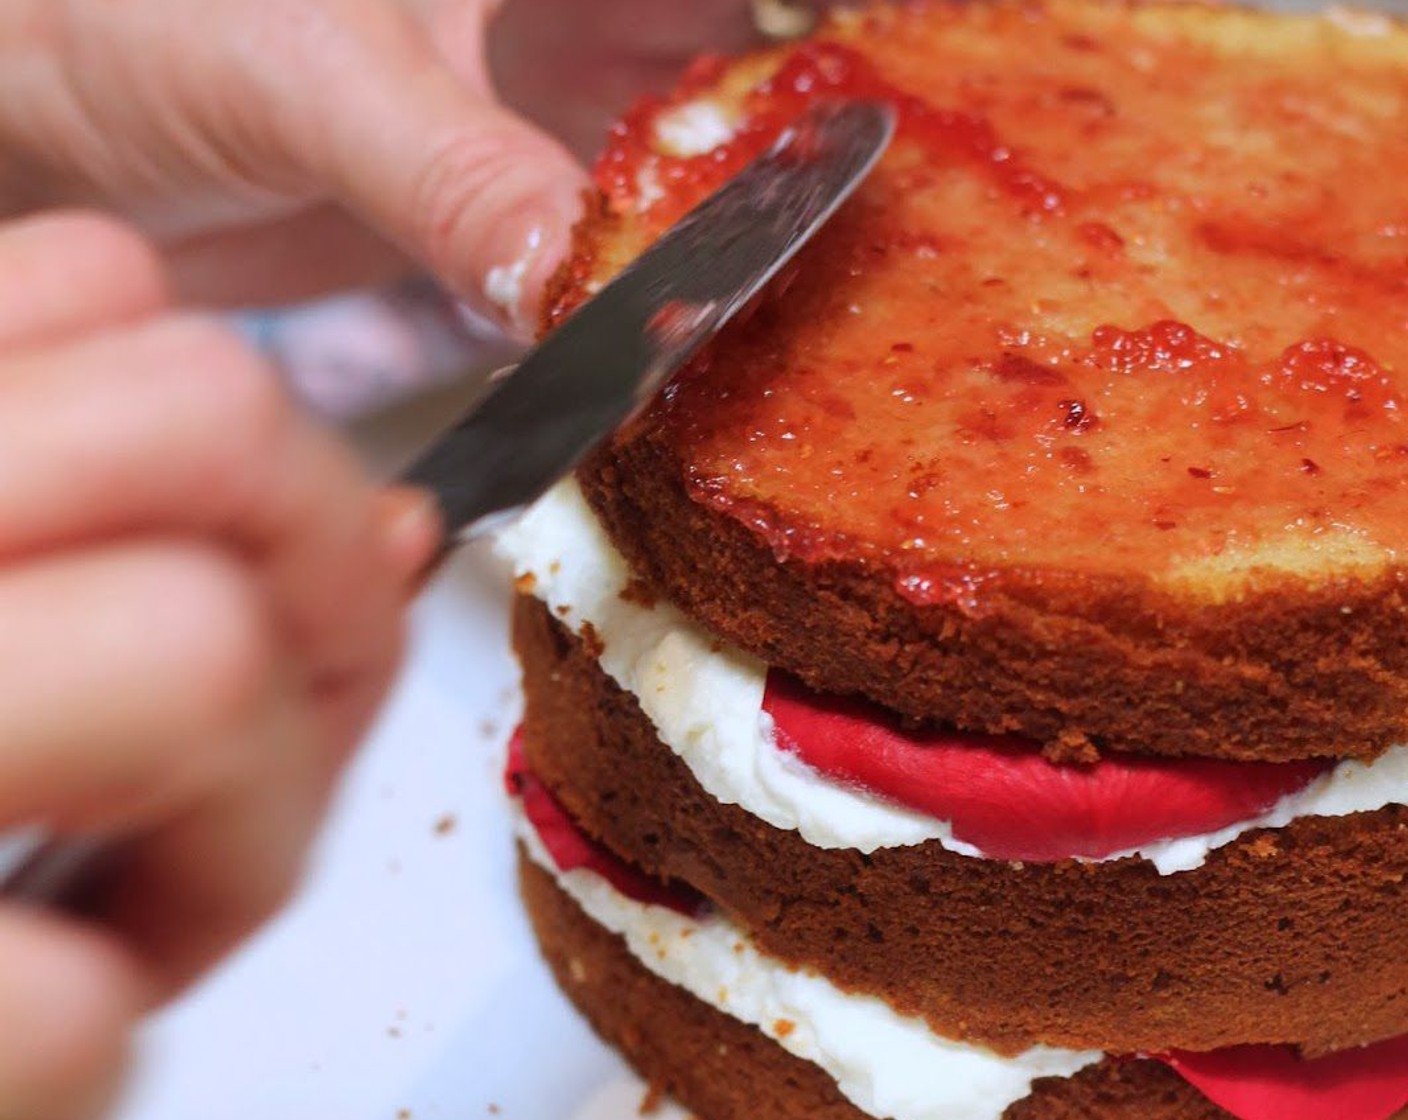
279,148
201,600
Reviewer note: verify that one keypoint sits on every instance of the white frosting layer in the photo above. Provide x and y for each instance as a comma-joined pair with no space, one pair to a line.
692,129
886,1064
706,703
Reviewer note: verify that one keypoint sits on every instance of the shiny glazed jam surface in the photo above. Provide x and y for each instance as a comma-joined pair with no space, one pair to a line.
1118,300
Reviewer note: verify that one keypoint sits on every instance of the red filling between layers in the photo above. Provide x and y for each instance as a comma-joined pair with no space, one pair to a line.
1276,1083
572,849
1001,795
1250,1082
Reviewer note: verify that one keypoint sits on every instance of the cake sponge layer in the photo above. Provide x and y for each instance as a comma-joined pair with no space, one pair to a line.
723,1069
1084,419
1293,935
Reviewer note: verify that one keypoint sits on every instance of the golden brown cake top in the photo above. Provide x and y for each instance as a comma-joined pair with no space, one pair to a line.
1127,296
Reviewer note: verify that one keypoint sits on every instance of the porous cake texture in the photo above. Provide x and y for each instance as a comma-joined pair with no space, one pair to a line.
1060,487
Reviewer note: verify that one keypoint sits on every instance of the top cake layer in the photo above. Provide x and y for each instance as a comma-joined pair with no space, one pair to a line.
1082,420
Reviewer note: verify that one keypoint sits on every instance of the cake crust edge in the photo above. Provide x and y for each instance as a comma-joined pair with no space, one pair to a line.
1285,673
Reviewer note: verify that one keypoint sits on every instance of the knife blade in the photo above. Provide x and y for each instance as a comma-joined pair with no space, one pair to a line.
605,362
593,372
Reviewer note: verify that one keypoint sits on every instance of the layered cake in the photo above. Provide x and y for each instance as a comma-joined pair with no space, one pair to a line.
974,689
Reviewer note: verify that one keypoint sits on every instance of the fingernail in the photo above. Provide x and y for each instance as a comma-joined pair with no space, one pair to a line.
513,287
504,283
411,531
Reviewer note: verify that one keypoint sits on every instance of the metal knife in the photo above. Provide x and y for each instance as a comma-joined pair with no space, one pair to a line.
596,370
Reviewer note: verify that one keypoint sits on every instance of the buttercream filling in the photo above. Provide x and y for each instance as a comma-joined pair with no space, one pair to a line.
693,128
892,1066
888,1065
706,702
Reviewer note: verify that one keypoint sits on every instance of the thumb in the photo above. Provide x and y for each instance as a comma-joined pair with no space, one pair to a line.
477,194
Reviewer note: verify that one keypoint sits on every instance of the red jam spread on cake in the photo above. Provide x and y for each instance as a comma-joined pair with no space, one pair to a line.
1210,371
1276,1083
1005,798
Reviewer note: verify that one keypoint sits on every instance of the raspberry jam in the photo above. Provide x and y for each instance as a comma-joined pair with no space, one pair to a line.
1073,321
571,849
1000,795
1276,1083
